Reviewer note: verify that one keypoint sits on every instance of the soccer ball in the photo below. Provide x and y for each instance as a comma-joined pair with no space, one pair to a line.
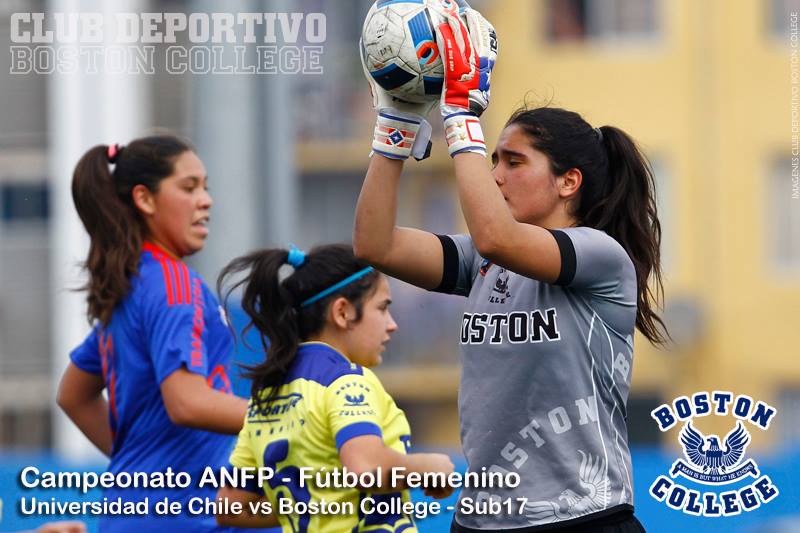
398,46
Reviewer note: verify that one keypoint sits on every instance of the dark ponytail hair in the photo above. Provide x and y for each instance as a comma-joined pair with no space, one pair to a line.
104,203
617,194
273,304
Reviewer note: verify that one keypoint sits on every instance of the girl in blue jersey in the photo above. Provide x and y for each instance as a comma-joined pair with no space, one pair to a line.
563,238
315,403
159,345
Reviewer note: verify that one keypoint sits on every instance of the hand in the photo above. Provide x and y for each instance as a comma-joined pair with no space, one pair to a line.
469,52
62,527
439,493
484,40
402,128
440,464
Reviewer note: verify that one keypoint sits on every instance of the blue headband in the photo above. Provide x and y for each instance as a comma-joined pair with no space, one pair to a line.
330,290
296,257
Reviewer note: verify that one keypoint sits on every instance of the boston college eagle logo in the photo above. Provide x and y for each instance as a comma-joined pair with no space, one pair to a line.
716,463
712,461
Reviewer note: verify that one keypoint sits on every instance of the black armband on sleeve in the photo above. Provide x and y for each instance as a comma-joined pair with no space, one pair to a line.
568,260
450,266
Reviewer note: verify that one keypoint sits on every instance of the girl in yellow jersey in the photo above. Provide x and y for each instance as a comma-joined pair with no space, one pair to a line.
315,403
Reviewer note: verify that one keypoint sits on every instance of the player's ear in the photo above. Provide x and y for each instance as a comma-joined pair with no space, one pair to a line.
342,313
569,183
143,199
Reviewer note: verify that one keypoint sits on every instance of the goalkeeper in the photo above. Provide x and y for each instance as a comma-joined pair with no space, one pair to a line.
563,239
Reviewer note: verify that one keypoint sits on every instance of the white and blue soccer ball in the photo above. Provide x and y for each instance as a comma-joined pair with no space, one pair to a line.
400,51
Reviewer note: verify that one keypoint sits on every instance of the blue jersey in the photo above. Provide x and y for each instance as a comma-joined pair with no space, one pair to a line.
169,319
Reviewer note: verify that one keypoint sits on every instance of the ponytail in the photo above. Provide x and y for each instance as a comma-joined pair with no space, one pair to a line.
281,309
114,232
617,195
626,210
270,309
104,204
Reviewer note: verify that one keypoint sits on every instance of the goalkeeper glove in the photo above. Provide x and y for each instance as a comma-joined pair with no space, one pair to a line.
469,52
401,129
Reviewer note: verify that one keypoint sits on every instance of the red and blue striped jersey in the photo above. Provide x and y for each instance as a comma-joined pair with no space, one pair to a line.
170,319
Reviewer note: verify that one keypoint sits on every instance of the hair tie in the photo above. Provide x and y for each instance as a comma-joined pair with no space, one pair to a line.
296,257
599,133
113,152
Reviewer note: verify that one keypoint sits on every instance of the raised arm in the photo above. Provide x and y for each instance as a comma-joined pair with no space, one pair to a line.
401,130
524,248
408,254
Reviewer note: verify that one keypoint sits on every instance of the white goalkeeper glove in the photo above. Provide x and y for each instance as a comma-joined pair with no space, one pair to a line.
401,129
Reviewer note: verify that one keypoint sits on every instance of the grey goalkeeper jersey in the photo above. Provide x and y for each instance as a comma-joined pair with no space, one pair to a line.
545,380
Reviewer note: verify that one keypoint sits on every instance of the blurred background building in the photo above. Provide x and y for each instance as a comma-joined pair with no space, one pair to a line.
704,87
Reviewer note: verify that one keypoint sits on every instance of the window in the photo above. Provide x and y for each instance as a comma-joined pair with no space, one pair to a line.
26,427
575,20
23,120
24,280
341,94
23,201
783,216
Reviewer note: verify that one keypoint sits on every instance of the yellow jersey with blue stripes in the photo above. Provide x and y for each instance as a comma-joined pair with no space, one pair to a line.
325,401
